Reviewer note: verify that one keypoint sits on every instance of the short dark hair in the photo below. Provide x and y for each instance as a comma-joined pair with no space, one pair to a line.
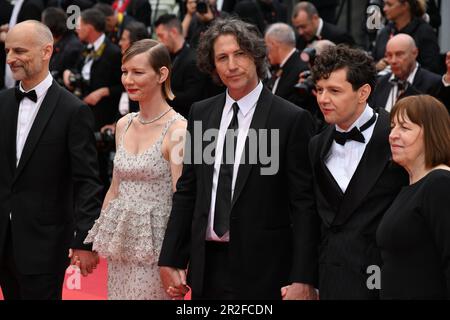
429,113
55,19
105,8
158,57
169,20
247,36
305,6
137,30
95,18
359,66
417,8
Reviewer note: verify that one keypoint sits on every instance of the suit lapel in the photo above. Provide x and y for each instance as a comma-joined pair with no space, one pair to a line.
9,123
43,116
212,122
383,94
286,69
325,180
259,121
373,162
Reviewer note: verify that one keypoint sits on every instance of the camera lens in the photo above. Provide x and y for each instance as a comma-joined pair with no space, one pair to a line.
202,7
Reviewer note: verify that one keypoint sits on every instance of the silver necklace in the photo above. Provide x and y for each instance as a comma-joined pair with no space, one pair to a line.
143,121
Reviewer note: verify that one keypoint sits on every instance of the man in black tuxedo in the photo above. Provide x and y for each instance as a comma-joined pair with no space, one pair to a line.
67,47
407,77
99,68
187,82
311,27
354,179
285,61
243,231
49,186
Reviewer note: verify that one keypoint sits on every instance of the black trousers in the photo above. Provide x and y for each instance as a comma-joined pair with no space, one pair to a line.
17,286
217,276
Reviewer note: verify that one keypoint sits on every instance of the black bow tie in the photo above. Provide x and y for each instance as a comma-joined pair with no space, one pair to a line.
30,95
354,134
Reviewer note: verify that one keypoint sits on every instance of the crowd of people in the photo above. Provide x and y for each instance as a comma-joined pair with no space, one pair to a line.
238,156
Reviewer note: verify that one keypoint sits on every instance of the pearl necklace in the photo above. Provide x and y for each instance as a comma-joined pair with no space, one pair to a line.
144,122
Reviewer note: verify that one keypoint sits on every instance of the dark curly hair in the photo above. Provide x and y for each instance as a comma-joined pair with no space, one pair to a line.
247,36
359,65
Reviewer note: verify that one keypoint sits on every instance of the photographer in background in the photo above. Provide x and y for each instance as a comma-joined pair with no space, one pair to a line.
285,62
97,77
405,16
407,77
199,15
67,47
311,27
306,86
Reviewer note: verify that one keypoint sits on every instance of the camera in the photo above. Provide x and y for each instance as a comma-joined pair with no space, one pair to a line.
57,76
308,55
105,140
78,83
202,6
308,85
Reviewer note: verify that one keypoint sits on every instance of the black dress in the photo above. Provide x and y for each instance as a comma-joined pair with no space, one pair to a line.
414,239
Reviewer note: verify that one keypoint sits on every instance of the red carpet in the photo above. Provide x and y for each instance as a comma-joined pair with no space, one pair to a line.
92,287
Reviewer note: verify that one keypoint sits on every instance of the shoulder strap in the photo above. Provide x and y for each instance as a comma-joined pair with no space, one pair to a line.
130,119
176,117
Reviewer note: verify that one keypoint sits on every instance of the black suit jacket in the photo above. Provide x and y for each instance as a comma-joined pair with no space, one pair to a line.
289,78
260,14
425,82
329,32
105,72
272,223
350,220
187,82
54,191
424,36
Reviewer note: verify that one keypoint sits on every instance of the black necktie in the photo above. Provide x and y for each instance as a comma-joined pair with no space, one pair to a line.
274,75
30,95
223,193
354,134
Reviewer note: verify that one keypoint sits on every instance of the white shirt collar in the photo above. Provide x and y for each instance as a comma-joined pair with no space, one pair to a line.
99,41
411,76
287,57
247,102
319,29
362,119
42,87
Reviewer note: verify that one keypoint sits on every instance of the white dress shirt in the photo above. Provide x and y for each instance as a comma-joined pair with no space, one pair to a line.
27,113
392,98
247,107
342,160
275,85
9,80
86,71
319,29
